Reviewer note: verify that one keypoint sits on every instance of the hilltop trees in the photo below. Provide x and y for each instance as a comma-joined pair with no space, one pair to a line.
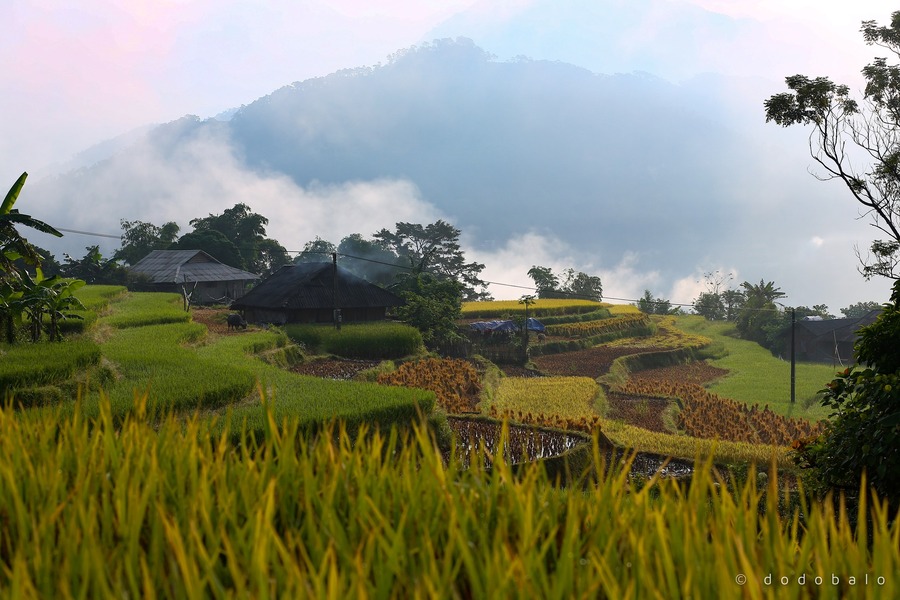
759,311
315,251
647,304
434,249
574,284
844,129
369,259
140,238
93,268
236,238
859,309
716,303
246,231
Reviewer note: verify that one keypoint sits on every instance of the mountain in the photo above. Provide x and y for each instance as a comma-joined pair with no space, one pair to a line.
606,166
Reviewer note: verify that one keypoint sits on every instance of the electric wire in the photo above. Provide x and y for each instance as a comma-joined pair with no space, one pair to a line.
496,283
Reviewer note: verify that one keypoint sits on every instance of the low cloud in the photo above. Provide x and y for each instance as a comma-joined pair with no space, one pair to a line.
686,289
206,178
509,265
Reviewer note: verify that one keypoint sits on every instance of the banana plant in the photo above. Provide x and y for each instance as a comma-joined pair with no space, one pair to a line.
12,244
48,297
10,310
60,301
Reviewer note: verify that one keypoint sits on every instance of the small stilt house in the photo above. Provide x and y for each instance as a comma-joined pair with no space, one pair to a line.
191,271
308,293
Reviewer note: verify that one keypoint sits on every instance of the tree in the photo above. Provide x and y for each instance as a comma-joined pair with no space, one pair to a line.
545,282
734,302
864,433
575,284
821,310
432,305
245,229
370,259
93,268
845,131
716,303
581,285
860,309
710,306
759,311
317,250
653,306
271,256
58,299
140,238
214,243
48,263
435,249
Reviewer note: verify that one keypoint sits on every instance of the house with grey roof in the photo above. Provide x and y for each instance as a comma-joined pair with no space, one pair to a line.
192,271
307,293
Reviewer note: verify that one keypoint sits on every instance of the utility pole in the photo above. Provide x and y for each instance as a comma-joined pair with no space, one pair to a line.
793,355
526,300
334,291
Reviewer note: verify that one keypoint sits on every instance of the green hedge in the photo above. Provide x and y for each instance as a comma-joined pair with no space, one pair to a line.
374,341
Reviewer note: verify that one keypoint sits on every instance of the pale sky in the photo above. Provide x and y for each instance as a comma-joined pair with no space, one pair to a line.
77,72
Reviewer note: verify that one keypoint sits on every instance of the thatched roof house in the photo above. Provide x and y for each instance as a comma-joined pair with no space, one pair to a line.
191,270
830,340
306,293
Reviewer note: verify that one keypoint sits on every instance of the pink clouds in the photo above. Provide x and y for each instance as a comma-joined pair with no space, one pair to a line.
78,73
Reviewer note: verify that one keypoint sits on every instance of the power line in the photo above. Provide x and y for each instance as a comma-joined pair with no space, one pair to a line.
409,268
105,235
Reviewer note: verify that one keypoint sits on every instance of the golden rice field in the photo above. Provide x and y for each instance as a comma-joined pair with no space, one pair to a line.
667,336
707,415
455,382
563,402
497,308
139,509
594,328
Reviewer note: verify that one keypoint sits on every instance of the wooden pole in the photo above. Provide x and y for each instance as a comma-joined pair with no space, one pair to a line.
336,315
793,355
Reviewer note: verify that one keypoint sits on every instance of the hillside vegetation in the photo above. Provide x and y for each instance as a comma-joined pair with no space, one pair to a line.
178,460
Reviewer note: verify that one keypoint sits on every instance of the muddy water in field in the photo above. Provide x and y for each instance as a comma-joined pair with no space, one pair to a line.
532,443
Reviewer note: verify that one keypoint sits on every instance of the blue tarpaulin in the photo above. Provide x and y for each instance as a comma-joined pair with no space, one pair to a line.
505,326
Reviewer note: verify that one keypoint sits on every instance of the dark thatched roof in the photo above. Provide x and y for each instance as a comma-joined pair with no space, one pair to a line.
310,286
181,266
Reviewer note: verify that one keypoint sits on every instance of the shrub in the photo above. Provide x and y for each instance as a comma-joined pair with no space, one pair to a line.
374,341
864,435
